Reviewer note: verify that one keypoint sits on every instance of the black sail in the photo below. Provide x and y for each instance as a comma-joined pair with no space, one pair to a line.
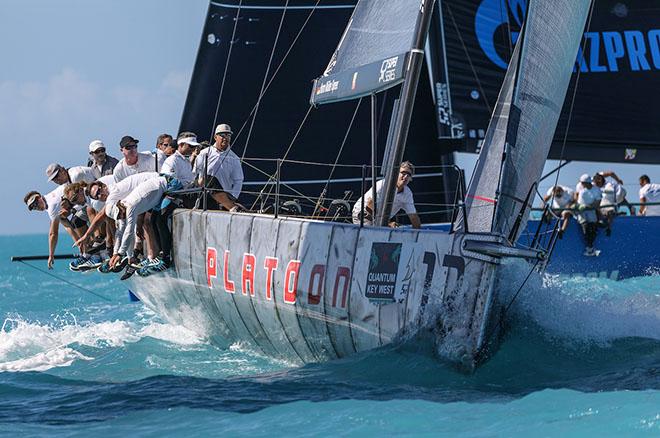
232,68
615,112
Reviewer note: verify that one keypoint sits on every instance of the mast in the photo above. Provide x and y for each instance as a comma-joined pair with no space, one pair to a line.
407,101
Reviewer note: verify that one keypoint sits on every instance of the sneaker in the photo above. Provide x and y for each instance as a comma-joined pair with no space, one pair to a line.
75,265
97,247
130,270
121,265
105,267
158,266
92,262
589,251
139,264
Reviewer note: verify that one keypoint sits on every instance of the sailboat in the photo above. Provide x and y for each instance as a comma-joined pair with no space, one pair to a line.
312,290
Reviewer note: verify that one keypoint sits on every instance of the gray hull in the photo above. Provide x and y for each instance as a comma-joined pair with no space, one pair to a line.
312,291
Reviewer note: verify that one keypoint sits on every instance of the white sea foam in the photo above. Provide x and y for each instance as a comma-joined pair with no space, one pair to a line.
592,309
34,346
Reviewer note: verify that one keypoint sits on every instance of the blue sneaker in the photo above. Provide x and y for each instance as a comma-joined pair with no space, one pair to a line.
92,262
157,265
75,265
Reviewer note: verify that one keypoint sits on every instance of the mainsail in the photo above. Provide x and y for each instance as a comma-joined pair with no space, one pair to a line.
542,73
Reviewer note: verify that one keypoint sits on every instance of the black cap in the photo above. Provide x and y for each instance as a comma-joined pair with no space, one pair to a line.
126,140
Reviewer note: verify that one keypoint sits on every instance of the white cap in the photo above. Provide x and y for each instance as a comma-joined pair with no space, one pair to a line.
585,178
223,129
192,140
52,170
96,145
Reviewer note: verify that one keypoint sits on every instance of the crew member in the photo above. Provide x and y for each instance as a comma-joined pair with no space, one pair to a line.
562,198
164,148
178,164
224,172
133,161
648,193
101,163
52,204
588,200
403,199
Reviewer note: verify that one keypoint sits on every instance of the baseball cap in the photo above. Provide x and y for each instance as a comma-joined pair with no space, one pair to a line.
96,145
223,129
585,178
52,169
126,140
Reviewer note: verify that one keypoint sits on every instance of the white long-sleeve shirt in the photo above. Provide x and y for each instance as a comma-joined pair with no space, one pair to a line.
145,163
225,166
143,198
179,167
122,189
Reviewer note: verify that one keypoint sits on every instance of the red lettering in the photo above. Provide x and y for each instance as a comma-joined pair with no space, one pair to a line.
270,264
229,285
211,265
248,273
317,271
291,281
345,273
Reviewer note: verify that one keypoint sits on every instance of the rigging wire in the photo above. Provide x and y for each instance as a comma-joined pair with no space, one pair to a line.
224,74
263,84
467,56
65,281
341,148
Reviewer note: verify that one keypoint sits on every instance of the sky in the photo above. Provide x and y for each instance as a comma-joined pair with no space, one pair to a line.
78,70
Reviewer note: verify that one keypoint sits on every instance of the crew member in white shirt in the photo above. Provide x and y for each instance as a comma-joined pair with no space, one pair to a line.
178,165
403,199
562,198
648,193
224,172
51,203
164,148
588,201
61,175
133,161
144,197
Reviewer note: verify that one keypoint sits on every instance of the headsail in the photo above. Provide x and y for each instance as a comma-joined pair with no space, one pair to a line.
371,53
552,34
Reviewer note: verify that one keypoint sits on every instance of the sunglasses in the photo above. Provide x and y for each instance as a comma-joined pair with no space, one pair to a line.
99,151
224,135
406,173
32,205
130,147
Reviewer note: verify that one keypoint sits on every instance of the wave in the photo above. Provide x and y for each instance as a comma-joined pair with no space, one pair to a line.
35,346
586,309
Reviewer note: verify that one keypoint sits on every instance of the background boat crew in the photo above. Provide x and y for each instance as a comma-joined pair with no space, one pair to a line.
403,199
224,172
649,192
562,199
133,161
51,204
164,148
588,200
101,163
613,194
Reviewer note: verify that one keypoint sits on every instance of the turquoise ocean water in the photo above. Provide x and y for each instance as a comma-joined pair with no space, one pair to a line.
581,358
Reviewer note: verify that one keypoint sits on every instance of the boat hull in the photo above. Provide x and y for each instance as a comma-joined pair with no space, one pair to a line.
310,291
